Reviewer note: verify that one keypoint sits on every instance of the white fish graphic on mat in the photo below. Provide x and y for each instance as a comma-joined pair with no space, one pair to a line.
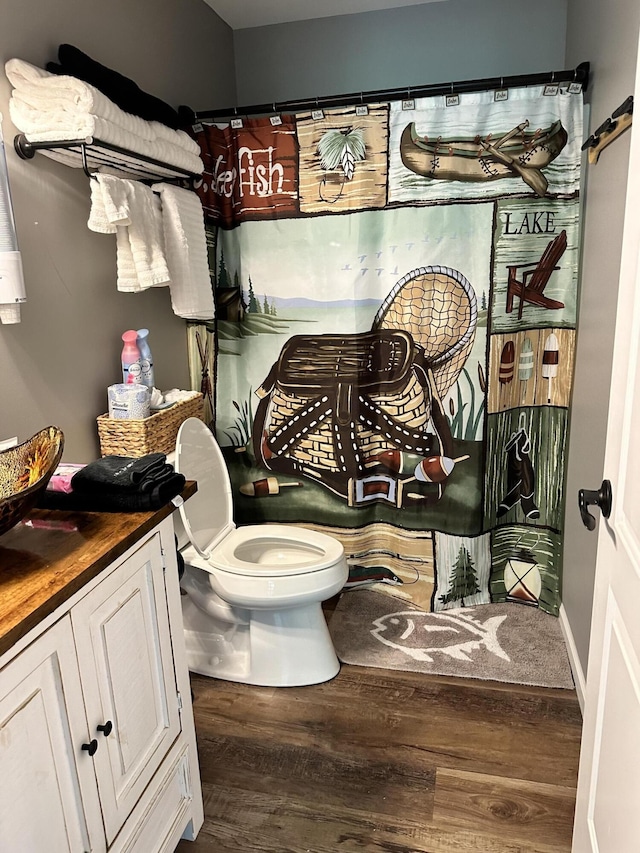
417,634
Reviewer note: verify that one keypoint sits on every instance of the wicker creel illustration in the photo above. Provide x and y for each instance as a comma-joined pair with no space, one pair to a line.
332,402
438,307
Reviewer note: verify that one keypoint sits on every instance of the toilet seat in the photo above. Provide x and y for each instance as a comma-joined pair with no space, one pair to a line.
257,550
276,550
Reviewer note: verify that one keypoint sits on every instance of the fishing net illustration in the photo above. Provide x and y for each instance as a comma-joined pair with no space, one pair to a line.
438,307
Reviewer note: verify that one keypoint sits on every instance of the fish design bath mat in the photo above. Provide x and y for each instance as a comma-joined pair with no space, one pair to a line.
495,642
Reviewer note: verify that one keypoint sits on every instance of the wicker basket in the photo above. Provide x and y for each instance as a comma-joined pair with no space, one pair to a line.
155,434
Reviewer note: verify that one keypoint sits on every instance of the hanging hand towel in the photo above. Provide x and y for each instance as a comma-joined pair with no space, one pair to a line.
186,251
131,211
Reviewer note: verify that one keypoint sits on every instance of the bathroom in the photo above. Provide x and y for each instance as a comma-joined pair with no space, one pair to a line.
60,358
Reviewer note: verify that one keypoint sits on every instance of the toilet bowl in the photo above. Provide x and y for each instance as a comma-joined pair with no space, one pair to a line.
252,606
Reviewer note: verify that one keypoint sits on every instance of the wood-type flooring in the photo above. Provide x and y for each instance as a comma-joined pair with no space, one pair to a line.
376,761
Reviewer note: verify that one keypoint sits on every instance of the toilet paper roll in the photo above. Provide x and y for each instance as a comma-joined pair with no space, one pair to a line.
128,402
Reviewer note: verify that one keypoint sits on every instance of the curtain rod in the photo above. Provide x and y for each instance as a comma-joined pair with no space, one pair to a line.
573,75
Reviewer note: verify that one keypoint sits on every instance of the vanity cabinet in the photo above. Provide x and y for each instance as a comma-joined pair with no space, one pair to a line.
97,744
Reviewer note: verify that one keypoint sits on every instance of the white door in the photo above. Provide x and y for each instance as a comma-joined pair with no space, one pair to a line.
608,804
48,795
126,664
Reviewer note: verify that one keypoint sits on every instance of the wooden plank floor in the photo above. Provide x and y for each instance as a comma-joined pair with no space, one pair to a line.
386,762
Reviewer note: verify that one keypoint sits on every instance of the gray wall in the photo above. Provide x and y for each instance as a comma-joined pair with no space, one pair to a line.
412,45
56,364
605,32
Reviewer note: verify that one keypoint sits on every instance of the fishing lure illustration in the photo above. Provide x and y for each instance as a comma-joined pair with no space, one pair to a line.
507,366
525,366
550,360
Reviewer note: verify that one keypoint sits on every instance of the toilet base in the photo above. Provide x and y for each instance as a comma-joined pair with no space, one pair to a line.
274,648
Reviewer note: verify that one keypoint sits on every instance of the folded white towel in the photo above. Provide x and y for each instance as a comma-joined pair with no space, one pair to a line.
61,93
41,126
186,252
47,107
133,212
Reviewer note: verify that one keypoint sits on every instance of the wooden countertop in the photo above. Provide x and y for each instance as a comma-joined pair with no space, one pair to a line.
44,561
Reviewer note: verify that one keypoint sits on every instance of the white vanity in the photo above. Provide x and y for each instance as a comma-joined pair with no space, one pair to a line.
97,742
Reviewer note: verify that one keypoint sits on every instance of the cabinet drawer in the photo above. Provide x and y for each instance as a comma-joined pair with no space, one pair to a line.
165,817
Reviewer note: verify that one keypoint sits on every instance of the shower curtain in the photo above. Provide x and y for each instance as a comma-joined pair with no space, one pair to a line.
395,288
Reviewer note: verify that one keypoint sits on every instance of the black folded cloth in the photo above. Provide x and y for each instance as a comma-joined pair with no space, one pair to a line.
119,484
121,473
114,501
120,89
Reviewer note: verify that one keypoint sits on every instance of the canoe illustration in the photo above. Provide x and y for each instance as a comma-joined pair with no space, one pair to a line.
518,153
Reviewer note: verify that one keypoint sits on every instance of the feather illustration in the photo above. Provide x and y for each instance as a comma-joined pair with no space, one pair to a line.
339,149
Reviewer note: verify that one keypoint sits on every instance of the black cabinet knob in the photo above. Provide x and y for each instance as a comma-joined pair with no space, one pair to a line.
106,728
91,748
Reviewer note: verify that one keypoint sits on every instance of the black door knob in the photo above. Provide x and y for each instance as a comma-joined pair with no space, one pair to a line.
602,498
106,728
91,748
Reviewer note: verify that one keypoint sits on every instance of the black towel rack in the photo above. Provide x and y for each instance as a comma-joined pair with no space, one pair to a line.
94,153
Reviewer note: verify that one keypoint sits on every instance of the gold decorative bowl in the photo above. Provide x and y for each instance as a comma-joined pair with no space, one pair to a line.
25,471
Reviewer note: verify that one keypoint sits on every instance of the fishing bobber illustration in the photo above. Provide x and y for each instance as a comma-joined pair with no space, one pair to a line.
393,460
507,366
526,364
265,487
436,469
550,360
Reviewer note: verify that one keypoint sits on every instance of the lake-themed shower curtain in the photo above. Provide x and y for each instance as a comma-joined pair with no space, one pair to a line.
392,358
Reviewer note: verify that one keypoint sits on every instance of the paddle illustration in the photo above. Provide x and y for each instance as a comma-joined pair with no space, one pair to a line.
530,175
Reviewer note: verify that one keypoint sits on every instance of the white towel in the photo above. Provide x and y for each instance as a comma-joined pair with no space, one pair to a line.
186,251
47,107
133,212
48,92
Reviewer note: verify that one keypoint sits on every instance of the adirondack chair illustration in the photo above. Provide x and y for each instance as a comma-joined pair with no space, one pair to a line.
535,277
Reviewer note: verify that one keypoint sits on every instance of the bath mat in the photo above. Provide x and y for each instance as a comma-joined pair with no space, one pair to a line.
495,642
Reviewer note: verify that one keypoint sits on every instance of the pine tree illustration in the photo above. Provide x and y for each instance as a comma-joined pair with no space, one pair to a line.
254,307
464,581
223,275
265,305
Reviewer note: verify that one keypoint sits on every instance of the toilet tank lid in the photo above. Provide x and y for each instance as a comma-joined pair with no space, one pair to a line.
208,515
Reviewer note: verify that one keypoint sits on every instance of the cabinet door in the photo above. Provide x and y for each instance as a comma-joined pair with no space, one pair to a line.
126,666
48,795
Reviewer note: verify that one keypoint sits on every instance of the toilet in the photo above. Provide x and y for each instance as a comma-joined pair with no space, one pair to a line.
252,606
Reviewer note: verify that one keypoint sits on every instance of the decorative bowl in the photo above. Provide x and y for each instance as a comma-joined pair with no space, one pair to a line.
25,471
